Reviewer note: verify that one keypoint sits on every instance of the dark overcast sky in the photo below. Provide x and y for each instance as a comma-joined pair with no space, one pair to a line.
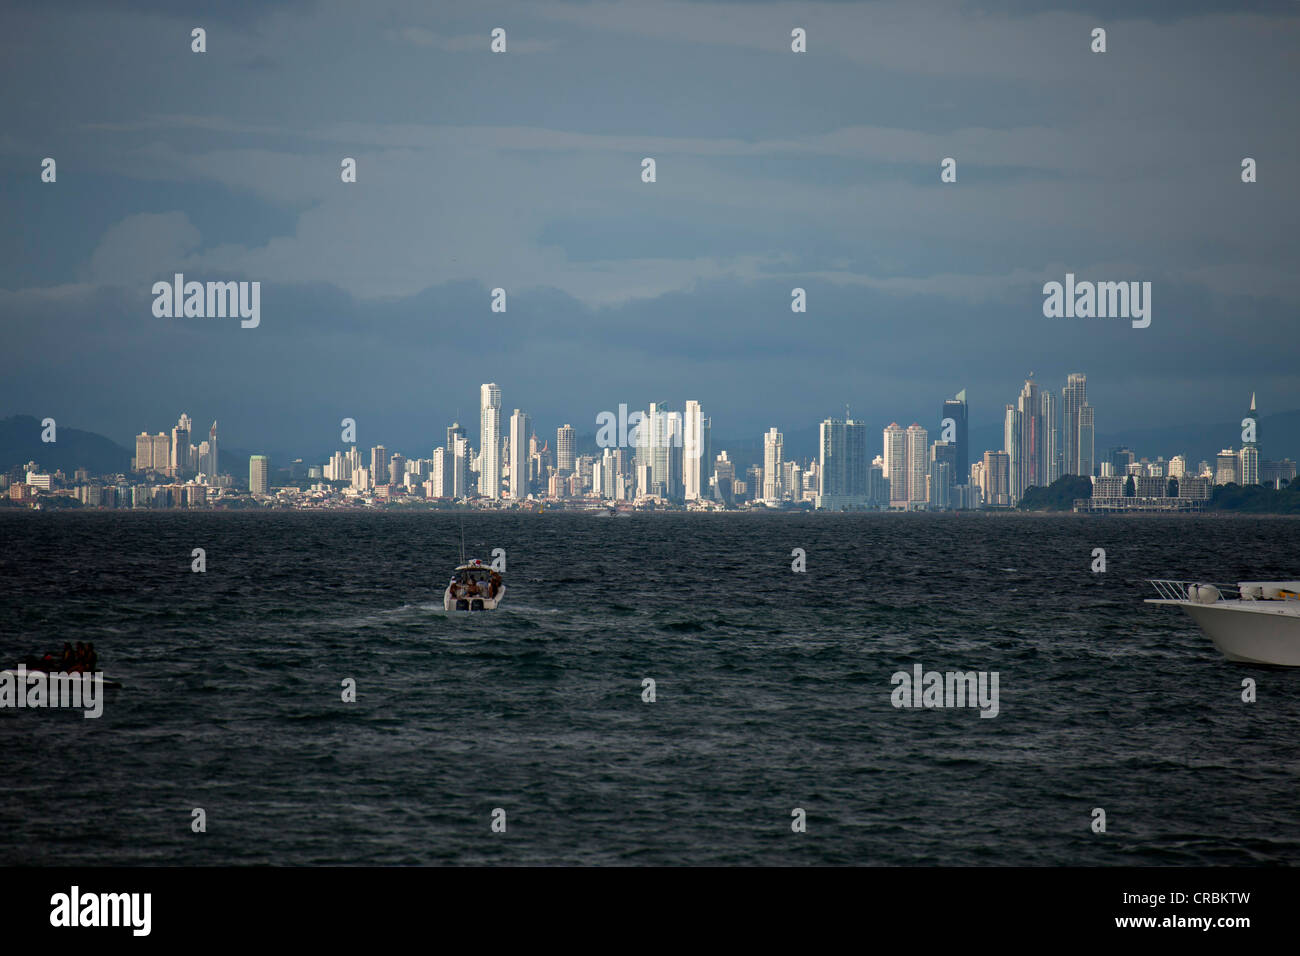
522,170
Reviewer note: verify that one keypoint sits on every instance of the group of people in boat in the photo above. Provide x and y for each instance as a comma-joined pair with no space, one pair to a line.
467,587
81,659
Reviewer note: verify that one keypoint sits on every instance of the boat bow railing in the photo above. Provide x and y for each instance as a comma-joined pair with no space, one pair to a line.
1183,590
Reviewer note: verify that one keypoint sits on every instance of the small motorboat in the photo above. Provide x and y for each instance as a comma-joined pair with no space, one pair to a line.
474,586
1256,622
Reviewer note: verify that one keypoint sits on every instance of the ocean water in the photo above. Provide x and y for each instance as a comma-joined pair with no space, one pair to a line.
772,692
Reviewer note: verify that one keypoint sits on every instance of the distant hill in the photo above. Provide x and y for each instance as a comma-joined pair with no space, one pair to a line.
20,442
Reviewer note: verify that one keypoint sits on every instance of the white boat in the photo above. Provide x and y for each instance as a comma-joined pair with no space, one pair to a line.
474,586
1257,622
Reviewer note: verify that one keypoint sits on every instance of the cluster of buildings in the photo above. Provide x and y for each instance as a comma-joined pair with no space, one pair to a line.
662,457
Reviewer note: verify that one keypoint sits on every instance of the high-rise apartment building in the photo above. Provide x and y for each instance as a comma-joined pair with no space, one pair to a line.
1086,457
894,463
1073,398
564,456
842,465
695,459
489,482
773,449
521,429
997,478
1051,455
918,465
259,474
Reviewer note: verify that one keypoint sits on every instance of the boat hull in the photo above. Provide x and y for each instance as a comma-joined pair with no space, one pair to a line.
450,603
1252,635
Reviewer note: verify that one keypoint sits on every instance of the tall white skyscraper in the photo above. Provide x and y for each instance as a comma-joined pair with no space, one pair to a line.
489,480
460,467
918,462
259,470
604,476
521,427
773,445
564,440
694,462
439,473
894,462
1011,445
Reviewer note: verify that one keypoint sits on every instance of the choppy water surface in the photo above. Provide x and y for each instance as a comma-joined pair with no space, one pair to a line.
773,692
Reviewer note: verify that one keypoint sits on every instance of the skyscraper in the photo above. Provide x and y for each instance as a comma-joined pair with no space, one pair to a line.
1252,417
942,474
895,464
997,478
956,409
489,482
1030,437
564,458
180,465
694,454
773,444
152,452
842,465
378,465
259,472
521,428
213,466
460,467
396,474
674,456
1087,437
1052,456
1073,398
1011,446
724,478
439,473
454,430
918,465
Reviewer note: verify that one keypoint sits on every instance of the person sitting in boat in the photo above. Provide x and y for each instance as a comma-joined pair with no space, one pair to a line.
67,660
495,585
92,659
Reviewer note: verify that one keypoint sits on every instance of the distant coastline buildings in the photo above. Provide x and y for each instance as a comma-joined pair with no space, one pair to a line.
663,457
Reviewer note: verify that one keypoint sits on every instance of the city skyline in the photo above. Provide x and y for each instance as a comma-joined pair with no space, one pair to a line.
661,454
